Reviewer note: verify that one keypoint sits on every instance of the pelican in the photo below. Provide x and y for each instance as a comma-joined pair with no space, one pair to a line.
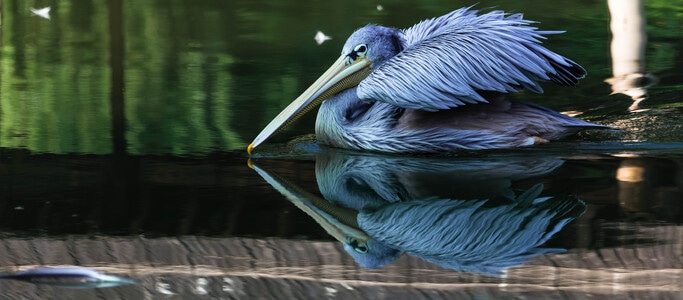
438,86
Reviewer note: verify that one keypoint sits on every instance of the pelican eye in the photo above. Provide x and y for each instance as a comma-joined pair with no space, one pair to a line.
359,51
358,247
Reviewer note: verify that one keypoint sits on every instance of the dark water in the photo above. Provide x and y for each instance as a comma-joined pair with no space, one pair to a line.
123,126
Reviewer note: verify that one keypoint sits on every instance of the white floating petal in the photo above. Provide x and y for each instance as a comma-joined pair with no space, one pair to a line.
320,37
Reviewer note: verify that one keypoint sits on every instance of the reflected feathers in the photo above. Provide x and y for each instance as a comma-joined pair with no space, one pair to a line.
479,238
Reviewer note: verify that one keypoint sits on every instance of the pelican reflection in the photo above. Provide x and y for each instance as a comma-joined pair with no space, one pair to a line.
375,206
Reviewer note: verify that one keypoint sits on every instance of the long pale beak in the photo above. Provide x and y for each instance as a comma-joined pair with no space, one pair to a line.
339,222
338,77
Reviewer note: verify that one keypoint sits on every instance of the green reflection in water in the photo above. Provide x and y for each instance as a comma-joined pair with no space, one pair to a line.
178,80
54,80
203,76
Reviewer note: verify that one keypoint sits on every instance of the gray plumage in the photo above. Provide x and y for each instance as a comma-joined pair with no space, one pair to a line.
438,86
444,62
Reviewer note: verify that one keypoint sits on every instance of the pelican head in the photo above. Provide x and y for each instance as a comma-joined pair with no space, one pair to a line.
365,50
373,44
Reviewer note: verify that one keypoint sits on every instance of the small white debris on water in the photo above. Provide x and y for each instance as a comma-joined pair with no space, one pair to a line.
164,288
320,37
42,12
347,286
200,289
380,7
330,291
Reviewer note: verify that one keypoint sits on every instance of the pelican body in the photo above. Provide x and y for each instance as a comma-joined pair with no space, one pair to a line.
438,86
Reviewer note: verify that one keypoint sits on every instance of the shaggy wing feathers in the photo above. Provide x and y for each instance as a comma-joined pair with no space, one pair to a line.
446,60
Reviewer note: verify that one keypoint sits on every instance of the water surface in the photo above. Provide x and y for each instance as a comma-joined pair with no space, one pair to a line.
123,126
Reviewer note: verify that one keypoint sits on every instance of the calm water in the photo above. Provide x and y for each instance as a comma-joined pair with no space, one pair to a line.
123,126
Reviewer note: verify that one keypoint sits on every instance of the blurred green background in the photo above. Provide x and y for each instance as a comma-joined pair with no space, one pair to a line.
197,77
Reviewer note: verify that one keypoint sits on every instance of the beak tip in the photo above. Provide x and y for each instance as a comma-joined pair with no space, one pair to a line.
250,148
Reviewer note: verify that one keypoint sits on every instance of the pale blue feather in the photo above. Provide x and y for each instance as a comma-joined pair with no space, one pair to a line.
445,62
